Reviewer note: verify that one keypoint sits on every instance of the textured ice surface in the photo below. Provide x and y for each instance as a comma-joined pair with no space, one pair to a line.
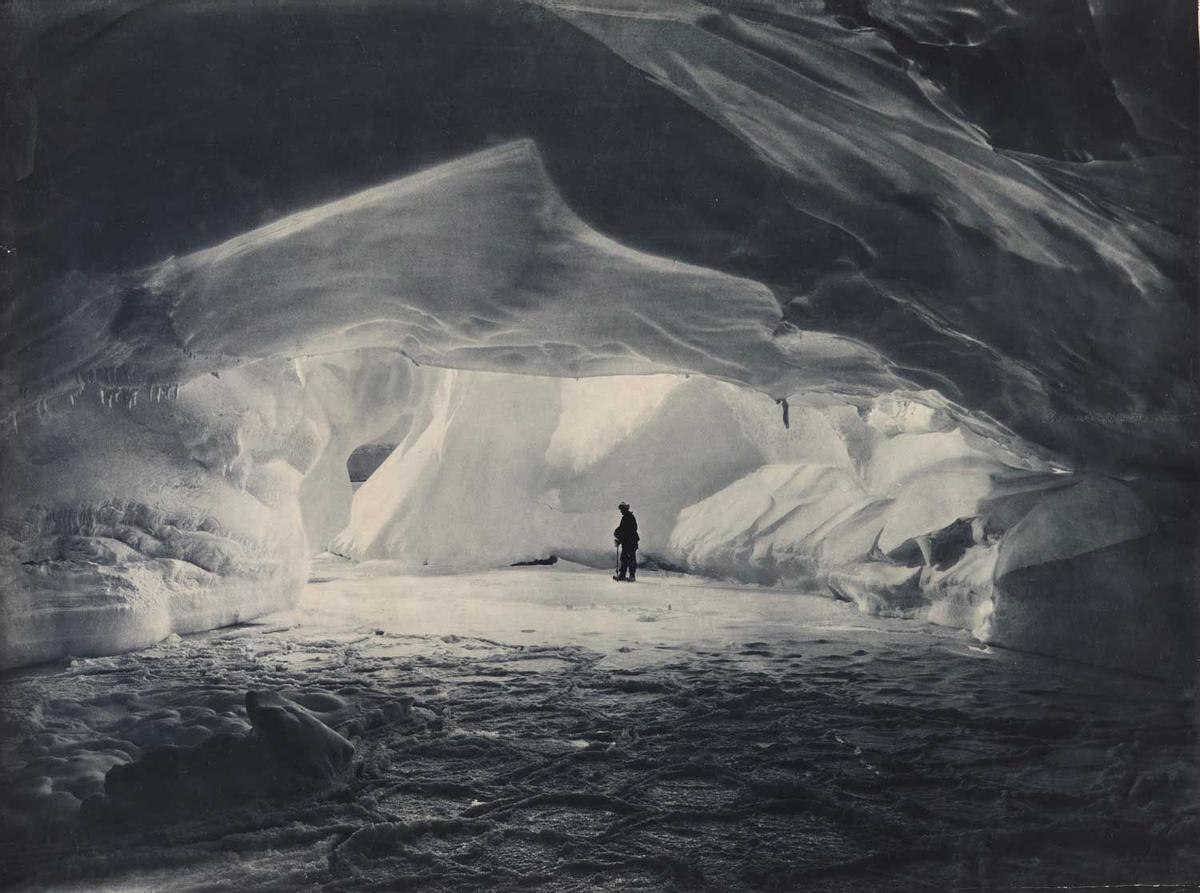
977,243
296,736
550,729
191,508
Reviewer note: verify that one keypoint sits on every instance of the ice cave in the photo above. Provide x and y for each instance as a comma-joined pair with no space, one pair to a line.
334,333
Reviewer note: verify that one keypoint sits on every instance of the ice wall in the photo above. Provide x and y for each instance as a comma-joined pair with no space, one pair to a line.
353,398
134,513
460,490
124,522
507,468
890,505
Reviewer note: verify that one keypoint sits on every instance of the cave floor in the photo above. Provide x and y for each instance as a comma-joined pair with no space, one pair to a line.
567,732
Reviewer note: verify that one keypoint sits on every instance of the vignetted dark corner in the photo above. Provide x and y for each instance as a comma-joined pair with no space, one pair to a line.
334,333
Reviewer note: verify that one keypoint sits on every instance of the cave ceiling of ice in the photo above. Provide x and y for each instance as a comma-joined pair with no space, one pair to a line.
796,146
989,206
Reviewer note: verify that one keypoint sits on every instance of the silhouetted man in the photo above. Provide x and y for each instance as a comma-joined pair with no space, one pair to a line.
626,536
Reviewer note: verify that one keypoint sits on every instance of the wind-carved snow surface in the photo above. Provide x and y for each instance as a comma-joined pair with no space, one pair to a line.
545,728
473,264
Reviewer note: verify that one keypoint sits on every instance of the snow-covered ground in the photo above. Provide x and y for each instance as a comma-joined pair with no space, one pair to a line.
549,728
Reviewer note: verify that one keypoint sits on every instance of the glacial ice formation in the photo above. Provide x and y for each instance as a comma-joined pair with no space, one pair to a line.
249,436
893,507
981,332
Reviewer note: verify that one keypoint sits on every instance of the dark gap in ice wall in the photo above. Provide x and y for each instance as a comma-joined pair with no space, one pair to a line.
365,459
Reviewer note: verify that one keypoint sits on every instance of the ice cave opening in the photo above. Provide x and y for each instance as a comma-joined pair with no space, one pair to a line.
176,473
419,701
320,317
886,502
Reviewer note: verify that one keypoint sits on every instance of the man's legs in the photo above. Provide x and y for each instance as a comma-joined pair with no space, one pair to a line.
628,563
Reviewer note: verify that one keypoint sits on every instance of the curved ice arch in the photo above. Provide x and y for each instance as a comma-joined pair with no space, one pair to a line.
473,264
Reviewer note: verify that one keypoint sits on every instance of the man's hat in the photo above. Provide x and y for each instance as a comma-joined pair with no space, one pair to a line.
623,505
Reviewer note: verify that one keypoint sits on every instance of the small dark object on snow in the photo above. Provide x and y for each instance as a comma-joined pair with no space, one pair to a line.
544,562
